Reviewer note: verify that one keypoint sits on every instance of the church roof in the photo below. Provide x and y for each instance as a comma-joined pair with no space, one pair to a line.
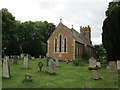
77,36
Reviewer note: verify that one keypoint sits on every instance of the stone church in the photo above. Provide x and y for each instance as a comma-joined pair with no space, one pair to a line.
68,44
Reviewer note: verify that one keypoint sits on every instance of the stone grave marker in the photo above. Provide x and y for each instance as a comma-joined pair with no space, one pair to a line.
40,56
33,58
98,65
40,65
26,62
112,66
6,68
92,63
118,65
15,57
52,67
28,77
95,75
22,56
57,62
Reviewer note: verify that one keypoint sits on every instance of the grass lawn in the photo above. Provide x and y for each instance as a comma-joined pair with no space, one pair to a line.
68,76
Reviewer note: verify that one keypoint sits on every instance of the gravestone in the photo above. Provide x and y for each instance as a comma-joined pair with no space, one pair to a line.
52,67
92,63
15,57
22,56
112,66
28,77
95,75
40,56
118,65
40,65
57,63
11,57
33,58
6,68
26,61
47,60
98,65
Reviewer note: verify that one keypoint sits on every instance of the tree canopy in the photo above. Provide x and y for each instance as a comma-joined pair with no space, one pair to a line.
24,37
111,31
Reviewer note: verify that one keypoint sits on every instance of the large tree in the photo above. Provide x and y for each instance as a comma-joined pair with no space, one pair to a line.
24,37
111,31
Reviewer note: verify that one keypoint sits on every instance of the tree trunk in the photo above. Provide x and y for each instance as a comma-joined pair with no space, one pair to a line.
112,66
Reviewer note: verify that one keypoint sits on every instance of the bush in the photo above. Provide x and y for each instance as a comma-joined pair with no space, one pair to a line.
78,62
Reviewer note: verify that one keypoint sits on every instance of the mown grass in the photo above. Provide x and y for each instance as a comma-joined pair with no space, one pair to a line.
67,76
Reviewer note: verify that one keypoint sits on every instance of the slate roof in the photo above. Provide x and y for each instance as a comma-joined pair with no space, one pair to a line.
77,36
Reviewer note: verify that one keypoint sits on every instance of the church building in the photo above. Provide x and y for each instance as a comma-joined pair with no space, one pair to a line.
68,44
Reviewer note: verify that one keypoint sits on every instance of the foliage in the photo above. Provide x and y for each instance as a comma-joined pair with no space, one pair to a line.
24,37
111,33
85,53
67,76
100,51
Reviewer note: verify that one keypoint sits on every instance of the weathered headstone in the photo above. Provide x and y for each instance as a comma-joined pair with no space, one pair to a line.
22,56
118,65
98,65
112,66
15,58
57,62
92,63
26,62
67,61
33,58
6,68
95,75
52,67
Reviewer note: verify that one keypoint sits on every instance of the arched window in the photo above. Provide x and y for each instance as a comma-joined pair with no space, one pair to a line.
65,45
60,44
55,45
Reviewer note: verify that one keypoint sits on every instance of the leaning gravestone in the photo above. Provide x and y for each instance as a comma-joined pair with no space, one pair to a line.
52,67
6,68
57,63
92,63
26,62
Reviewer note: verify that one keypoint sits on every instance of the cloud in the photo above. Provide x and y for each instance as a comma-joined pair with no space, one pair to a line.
76,12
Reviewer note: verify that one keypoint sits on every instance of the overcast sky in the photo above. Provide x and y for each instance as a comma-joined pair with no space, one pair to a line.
72,12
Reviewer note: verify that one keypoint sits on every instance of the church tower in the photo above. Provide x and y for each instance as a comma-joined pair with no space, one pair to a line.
86,31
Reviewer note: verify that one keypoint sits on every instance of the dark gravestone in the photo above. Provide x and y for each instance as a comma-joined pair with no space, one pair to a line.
15,57
40,65
47,60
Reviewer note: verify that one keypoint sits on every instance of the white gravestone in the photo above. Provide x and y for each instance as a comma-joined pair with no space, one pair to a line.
92,62
57,63
98,64
22,56
26,62
52,66
32,58
6,68
118,65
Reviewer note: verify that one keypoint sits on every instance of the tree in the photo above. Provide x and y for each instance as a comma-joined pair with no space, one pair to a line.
111,31
100,51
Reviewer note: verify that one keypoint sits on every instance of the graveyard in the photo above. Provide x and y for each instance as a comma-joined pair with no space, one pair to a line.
67,76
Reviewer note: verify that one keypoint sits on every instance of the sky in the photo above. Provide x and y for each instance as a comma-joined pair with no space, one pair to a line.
72,12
